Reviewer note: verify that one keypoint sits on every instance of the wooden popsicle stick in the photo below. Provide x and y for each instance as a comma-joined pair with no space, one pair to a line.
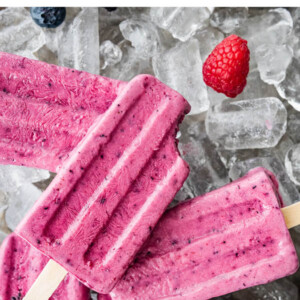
291,215
47,282
53,274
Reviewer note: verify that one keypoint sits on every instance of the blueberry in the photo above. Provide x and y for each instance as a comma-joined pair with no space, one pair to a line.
110,8
49,17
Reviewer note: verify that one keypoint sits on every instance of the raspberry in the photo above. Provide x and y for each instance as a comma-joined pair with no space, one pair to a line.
226,68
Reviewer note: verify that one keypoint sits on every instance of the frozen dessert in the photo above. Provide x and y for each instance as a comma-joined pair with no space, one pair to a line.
46,110
20,265
114,186
229,239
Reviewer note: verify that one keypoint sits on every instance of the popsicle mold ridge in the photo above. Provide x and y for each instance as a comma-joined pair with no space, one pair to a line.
47,109
113,187
229,239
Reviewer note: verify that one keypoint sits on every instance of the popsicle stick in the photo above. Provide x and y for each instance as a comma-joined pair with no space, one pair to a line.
291,215
47,282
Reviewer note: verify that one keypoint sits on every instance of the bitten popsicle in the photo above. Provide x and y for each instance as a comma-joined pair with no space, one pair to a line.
46,110
20,265
229,239
113,188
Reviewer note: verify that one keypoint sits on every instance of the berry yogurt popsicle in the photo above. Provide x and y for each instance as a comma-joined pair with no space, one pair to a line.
113,187
46,110
20,265
229,239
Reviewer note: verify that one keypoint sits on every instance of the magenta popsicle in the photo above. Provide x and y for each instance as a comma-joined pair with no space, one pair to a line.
229,239
46,109
113,188
20,265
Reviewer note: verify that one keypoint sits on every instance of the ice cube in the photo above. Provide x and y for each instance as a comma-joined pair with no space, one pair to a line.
268,36
3,235
272,62
287,189
110,54
295,38
293,124
129,66
19,203
143,35
182,22
277,26
292,163
18,33
208,39
79,45
181,68
256,88
207,172
3,206
228,18
12,177
289,89
245,124
281,289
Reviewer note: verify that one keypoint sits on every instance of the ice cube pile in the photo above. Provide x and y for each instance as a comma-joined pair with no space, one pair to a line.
222,138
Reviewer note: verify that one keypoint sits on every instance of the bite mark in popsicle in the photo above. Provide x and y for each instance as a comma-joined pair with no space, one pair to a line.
114,186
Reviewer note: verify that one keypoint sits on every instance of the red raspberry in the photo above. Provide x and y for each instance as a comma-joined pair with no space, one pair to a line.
227,67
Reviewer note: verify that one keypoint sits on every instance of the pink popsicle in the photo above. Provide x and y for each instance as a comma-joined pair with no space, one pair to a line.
46,110
20,265
229,239
113,188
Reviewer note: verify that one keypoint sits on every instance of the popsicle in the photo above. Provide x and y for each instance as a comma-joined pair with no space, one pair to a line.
113,188
46,109
20,265
229,239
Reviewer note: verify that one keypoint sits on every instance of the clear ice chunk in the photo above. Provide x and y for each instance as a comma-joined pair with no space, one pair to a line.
228,19
20,202
289,89
129,66
246,124
287,189
79,44
18,33
281,289
270,46
293,124
110,54
272,62
181,22
295,39
143,35
12,177
256,88
208,39
207,172
181,68
292,163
